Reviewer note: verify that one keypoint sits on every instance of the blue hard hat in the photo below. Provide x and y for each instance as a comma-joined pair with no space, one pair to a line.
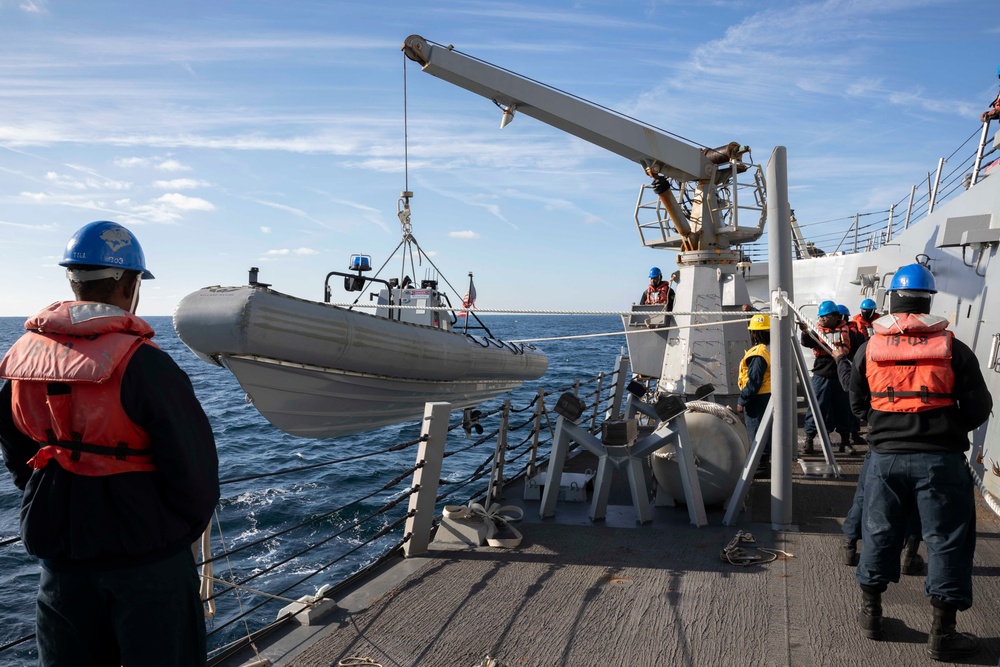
655,273
915,277
844,310
828,308
105,243
868,304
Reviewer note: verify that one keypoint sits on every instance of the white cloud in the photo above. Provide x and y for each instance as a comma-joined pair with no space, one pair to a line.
370,213
465,234
130,162
33,6
19,225
281,252
288,209
93,182
185,203
283,207
265,230
181,184
172,165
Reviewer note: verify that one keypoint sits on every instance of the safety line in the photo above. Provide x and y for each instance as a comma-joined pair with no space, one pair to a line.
623,333
515,311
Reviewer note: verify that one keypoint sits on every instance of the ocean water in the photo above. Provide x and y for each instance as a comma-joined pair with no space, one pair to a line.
253,509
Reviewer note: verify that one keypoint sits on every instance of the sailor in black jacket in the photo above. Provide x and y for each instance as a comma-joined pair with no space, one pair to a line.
111,511
922,391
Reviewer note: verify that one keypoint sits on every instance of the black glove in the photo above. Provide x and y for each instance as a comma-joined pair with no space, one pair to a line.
661,184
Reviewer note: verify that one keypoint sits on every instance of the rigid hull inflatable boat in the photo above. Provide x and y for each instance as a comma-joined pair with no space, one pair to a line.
318,370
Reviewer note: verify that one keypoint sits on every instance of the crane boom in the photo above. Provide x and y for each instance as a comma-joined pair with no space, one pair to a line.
702,208
698,198
622,136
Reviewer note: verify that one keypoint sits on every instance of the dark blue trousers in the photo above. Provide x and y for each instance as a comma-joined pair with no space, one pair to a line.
144,616
834,405
939,487
852,522
753,411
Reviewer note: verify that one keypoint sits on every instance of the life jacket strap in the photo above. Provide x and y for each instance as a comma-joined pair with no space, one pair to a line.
924,395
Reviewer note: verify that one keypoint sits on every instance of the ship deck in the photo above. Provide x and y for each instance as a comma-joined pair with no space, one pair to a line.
613,592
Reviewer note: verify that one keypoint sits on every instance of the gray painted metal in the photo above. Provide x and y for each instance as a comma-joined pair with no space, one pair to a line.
708,177
784,434
613,132
697,354
430,454
735,504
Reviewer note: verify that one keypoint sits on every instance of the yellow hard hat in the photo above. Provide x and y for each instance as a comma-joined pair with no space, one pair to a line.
760,322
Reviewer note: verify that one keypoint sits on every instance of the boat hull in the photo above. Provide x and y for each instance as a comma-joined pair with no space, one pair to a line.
320,371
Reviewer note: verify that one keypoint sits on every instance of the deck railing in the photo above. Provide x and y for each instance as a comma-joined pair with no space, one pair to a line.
345,542
967,165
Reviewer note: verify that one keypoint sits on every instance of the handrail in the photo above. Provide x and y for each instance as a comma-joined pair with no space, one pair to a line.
380,538
922,199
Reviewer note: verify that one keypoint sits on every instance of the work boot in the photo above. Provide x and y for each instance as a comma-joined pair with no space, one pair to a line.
845,444
944,643
870,615
810,444
912,563
850,551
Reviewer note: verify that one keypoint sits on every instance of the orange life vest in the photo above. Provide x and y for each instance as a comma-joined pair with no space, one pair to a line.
909,363
862,325
838,336
658,294
66,375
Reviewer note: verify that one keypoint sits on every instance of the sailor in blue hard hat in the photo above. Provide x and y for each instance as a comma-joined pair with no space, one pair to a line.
103,433
659,291
864,319
857,337
828,308
102,250
923,391
826,385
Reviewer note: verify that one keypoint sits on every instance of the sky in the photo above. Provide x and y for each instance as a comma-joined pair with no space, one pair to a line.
228,135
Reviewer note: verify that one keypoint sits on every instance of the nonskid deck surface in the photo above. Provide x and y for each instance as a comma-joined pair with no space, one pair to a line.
614,593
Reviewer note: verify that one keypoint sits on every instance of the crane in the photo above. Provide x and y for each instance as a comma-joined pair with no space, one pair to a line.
697,188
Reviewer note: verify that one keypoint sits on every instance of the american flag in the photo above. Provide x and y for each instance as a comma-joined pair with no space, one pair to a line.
469,300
